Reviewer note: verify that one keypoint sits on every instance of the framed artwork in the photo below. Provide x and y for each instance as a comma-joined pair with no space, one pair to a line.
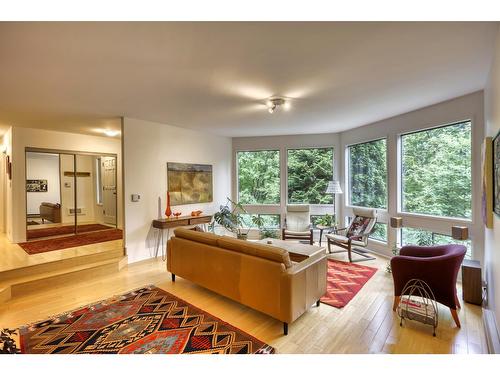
496,174
189,183
487,180
36,186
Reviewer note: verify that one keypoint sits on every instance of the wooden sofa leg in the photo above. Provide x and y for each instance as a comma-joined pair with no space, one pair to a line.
454,314
173,278
317,303
397,299
285,328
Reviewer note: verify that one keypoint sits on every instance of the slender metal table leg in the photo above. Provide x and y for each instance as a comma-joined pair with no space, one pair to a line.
164,247
157,242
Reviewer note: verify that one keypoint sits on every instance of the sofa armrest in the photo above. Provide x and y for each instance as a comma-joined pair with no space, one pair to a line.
302,285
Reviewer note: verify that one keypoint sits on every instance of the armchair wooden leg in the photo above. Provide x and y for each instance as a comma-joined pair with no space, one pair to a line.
311,241
349,251
317,303
396,302
173,278
457,302
454,314
329,246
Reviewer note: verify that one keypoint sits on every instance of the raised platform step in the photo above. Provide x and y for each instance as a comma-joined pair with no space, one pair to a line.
59,264
29,284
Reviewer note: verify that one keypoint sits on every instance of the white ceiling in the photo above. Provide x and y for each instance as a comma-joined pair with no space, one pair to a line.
216,76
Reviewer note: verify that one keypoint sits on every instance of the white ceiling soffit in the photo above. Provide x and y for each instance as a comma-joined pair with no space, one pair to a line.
216,76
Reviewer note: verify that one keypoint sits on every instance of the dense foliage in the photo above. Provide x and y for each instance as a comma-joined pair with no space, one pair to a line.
309,171
259,177
436,171
421,237
368,174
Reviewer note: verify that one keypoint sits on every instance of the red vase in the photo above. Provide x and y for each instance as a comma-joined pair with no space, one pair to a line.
168,211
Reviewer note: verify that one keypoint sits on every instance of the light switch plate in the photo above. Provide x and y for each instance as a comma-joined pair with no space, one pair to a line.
135,197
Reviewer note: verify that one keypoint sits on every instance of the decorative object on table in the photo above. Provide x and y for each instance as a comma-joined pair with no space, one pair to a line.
438,266
36,186
418,303
189,183
147,320
344,281
196,213
459,233
168,210
298,223
496,174
487,179
333,188
230,218
396,223
177,214
356,234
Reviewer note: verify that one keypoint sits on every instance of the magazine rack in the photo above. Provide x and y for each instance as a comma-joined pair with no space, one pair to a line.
418,303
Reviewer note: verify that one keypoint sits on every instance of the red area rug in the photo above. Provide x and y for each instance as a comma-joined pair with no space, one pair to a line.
42,246
146,321
67,229
343,281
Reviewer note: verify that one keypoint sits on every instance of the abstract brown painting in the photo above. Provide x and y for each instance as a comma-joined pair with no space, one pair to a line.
189,183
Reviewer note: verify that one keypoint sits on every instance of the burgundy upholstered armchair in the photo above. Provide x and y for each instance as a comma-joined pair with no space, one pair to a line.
438,266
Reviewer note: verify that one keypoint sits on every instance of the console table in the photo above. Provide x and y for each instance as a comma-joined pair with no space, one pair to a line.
174,222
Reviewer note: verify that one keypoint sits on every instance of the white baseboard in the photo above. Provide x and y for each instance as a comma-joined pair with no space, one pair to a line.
491,329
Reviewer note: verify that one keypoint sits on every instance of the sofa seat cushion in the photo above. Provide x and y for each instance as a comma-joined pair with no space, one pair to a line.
273,253
343,239
203,237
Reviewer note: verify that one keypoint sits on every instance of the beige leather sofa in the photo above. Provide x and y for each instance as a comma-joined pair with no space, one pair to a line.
256,275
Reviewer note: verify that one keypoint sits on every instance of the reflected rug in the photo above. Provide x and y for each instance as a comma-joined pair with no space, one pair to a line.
62,230
146,321
343,281
51,244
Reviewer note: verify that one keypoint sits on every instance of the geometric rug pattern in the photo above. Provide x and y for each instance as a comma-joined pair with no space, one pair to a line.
343,281
51,244
146,321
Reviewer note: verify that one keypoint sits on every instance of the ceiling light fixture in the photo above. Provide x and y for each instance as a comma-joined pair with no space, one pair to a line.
111,133
274,103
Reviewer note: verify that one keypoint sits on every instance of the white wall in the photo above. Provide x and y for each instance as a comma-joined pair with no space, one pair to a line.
492,236
147,147
53,140
41,166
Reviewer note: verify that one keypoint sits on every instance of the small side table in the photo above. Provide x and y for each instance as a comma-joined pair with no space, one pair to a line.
322,228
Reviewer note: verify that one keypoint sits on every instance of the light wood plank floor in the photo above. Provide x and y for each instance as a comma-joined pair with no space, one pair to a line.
366,325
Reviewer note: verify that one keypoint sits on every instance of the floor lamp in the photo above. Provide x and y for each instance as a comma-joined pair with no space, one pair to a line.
333,188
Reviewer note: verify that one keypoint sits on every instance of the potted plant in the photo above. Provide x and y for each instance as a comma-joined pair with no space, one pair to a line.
229,217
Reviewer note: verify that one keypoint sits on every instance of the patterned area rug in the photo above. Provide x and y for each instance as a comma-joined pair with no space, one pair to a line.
146,321
62,230
343,281
42,246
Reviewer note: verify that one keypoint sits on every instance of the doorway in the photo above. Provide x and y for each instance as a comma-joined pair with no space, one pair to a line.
69,193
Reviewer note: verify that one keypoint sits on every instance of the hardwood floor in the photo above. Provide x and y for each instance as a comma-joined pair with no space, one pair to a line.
366,325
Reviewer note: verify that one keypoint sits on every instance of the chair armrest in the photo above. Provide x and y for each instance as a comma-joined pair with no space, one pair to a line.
337,230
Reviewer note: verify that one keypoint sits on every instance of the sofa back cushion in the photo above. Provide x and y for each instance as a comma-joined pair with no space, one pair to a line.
203,237
273,253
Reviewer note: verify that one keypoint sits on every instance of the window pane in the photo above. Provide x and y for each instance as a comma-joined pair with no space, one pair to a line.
422,237
309,171
379,232
259,177
436,171
368,174
270,221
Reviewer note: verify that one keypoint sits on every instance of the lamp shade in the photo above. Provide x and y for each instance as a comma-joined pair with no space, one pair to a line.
333,188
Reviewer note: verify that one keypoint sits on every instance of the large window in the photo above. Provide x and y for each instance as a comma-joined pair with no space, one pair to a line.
422,237
436,171
309,171
258,177
368,174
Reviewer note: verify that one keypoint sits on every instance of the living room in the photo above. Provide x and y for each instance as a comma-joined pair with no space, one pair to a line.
273,193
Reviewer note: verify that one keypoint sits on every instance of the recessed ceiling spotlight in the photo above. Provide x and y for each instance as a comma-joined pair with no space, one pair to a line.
274,103
111,133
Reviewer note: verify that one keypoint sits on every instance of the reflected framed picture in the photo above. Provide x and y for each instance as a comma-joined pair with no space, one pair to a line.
36,186
496,174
